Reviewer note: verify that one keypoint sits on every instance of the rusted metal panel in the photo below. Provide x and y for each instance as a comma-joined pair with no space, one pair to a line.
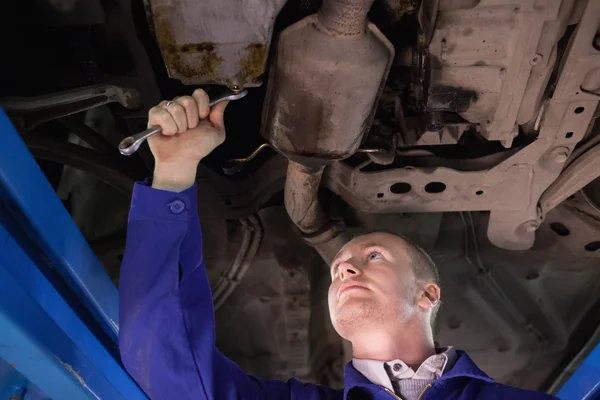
224,42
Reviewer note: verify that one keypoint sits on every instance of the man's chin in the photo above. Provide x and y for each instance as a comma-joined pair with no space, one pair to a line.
355,313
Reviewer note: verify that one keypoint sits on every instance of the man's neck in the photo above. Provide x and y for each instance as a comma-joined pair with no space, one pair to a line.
411,344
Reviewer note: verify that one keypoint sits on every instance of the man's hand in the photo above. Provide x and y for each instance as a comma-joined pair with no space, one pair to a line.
190,131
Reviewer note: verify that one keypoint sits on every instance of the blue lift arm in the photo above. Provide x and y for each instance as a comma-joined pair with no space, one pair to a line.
47,351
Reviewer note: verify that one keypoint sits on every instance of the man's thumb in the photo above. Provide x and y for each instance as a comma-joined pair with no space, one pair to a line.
216,115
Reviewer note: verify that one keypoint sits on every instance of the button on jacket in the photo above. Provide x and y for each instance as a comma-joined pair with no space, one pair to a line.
167,325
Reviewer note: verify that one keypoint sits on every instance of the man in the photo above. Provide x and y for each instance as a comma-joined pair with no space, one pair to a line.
382,298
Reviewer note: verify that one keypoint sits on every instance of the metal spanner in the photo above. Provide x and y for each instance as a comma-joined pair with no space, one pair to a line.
131,144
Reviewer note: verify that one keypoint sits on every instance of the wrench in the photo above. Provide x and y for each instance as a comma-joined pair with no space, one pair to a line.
131,144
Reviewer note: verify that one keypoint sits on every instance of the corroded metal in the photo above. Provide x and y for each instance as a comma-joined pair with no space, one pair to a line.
214,42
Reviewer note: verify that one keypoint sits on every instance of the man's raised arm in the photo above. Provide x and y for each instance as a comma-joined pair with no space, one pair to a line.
167,332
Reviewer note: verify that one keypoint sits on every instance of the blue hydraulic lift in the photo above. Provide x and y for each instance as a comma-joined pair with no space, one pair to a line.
59,317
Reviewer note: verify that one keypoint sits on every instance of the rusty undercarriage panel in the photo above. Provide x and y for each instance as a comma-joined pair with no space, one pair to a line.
214,41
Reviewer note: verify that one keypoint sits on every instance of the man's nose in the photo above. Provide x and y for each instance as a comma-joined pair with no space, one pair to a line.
348,270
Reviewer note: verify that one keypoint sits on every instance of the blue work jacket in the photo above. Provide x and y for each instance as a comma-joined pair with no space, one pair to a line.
167,326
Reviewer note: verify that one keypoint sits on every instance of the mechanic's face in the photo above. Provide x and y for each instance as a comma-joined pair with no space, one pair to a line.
373,281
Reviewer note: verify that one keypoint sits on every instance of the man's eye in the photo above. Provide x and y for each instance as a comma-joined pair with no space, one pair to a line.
374,256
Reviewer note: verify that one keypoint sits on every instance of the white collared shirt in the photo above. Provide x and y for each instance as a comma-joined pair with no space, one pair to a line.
382,373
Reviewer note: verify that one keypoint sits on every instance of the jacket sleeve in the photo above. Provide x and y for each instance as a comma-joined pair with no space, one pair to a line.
167,332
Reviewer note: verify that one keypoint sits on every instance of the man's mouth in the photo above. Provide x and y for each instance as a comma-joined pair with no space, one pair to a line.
350,286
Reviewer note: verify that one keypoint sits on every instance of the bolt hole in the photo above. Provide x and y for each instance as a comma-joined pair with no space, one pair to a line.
400,188
569,135
592,246
453,323
560,229
379,195
503,349
435,187
596,42
533,275
479,192
579,110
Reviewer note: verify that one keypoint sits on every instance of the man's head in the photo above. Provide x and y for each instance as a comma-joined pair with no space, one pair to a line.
382,279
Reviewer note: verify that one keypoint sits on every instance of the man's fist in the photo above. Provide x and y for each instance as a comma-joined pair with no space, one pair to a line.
190,131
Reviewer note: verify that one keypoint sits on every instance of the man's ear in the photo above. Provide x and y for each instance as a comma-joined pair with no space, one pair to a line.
429,295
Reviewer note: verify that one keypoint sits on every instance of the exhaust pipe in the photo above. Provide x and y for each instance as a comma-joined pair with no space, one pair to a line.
307,213
326,79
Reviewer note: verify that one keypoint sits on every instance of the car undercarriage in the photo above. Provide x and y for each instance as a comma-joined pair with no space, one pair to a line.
469,126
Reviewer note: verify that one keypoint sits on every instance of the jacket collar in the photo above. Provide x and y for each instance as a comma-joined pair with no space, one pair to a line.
463,367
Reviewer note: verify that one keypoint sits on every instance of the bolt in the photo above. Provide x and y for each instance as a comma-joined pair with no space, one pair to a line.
560,154
531,226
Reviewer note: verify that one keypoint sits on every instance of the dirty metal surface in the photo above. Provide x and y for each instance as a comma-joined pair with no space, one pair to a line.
214,42
566,119
482,54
